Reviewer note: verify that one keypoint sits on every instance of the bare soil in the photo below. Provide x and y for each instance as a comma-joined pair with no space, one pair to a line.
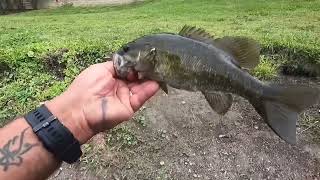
184,139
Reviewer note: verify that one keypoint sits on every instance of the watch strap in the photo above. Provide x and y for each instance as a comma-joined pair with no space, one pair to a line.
55,137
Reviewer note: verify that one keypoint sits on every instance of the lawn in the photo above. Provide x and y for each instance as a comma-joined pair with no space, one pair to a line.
34,64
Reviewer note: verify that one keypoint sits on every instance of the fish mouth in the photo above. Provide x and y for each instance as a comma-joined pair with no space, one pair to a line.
122,71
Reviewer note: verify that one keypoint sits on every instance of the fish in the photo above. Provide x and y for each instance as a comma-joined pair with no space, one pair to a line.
218,67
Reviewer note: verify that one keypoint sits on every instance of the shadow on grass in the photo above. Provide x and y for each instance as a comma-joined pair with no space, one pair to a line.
297,62
8,12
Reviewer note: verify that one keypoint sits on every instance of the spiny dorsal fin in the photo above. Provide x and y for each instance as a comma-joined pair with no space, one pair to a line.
244,50
220,102
195,33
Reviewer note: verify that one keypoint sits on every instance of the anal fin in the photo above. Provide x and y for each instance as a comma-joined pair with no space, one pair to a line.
220,102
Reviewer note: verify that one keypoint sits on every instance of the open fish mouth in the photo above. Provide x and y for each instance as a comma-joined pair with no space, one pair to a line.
122,70
118,61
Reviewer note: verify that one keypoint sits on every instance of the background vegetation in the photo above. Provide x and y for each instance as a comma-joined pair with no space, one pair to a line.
41,51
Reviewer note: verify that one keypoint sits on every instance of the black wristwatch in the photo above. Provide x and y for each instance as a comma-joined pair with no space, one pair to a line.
56,138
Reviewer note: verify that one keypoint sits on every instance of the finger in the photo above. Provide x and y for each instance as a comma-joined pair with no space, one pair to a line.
123,94
142,93
138,86
131,85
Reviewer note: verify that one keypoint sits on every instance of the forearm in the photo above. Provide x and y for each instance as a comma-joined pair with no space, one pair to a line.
94,102
22,155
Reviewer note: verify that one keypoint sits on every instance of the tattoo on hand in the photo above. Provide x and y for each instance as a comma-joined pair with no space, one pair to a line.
11,153
104,108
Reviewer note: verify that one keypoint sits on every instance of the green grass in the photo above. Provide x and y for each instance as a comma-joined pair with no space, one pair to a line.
266,69
286,27
122,136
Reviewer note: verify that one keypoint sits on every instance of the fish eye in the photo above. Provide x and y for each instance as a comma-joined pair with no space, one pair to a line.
125,48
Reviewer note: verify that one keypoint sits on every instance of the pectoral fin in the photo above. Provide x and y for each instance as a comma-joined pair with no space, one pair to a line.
220,102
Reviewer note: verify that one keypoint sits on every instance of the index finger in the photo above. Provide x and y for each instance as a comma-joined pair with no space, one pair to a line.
109,66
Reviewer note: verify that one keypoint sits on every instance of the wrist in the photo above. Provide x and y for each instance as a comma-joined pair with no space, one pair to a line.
71,117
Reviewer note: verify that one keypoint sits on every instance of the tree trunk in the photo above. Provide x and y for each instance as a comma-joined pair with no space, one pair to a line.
9,5
20,4
2,6
35,4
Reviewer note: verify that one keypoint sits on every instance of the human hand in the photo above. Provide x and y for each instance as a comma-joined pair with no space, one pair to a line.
96,101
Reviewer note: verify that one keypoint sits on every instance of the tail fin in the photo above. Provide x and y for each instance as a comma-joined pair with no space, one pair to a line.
281,105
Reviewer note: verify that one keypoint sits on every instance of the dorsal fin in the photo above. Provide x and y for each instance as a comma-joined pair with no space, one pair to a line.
197,34
244,50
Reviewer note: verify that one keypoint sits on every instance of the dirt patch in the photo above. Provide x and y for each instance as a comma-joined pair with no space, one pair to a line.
184,139
53,62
